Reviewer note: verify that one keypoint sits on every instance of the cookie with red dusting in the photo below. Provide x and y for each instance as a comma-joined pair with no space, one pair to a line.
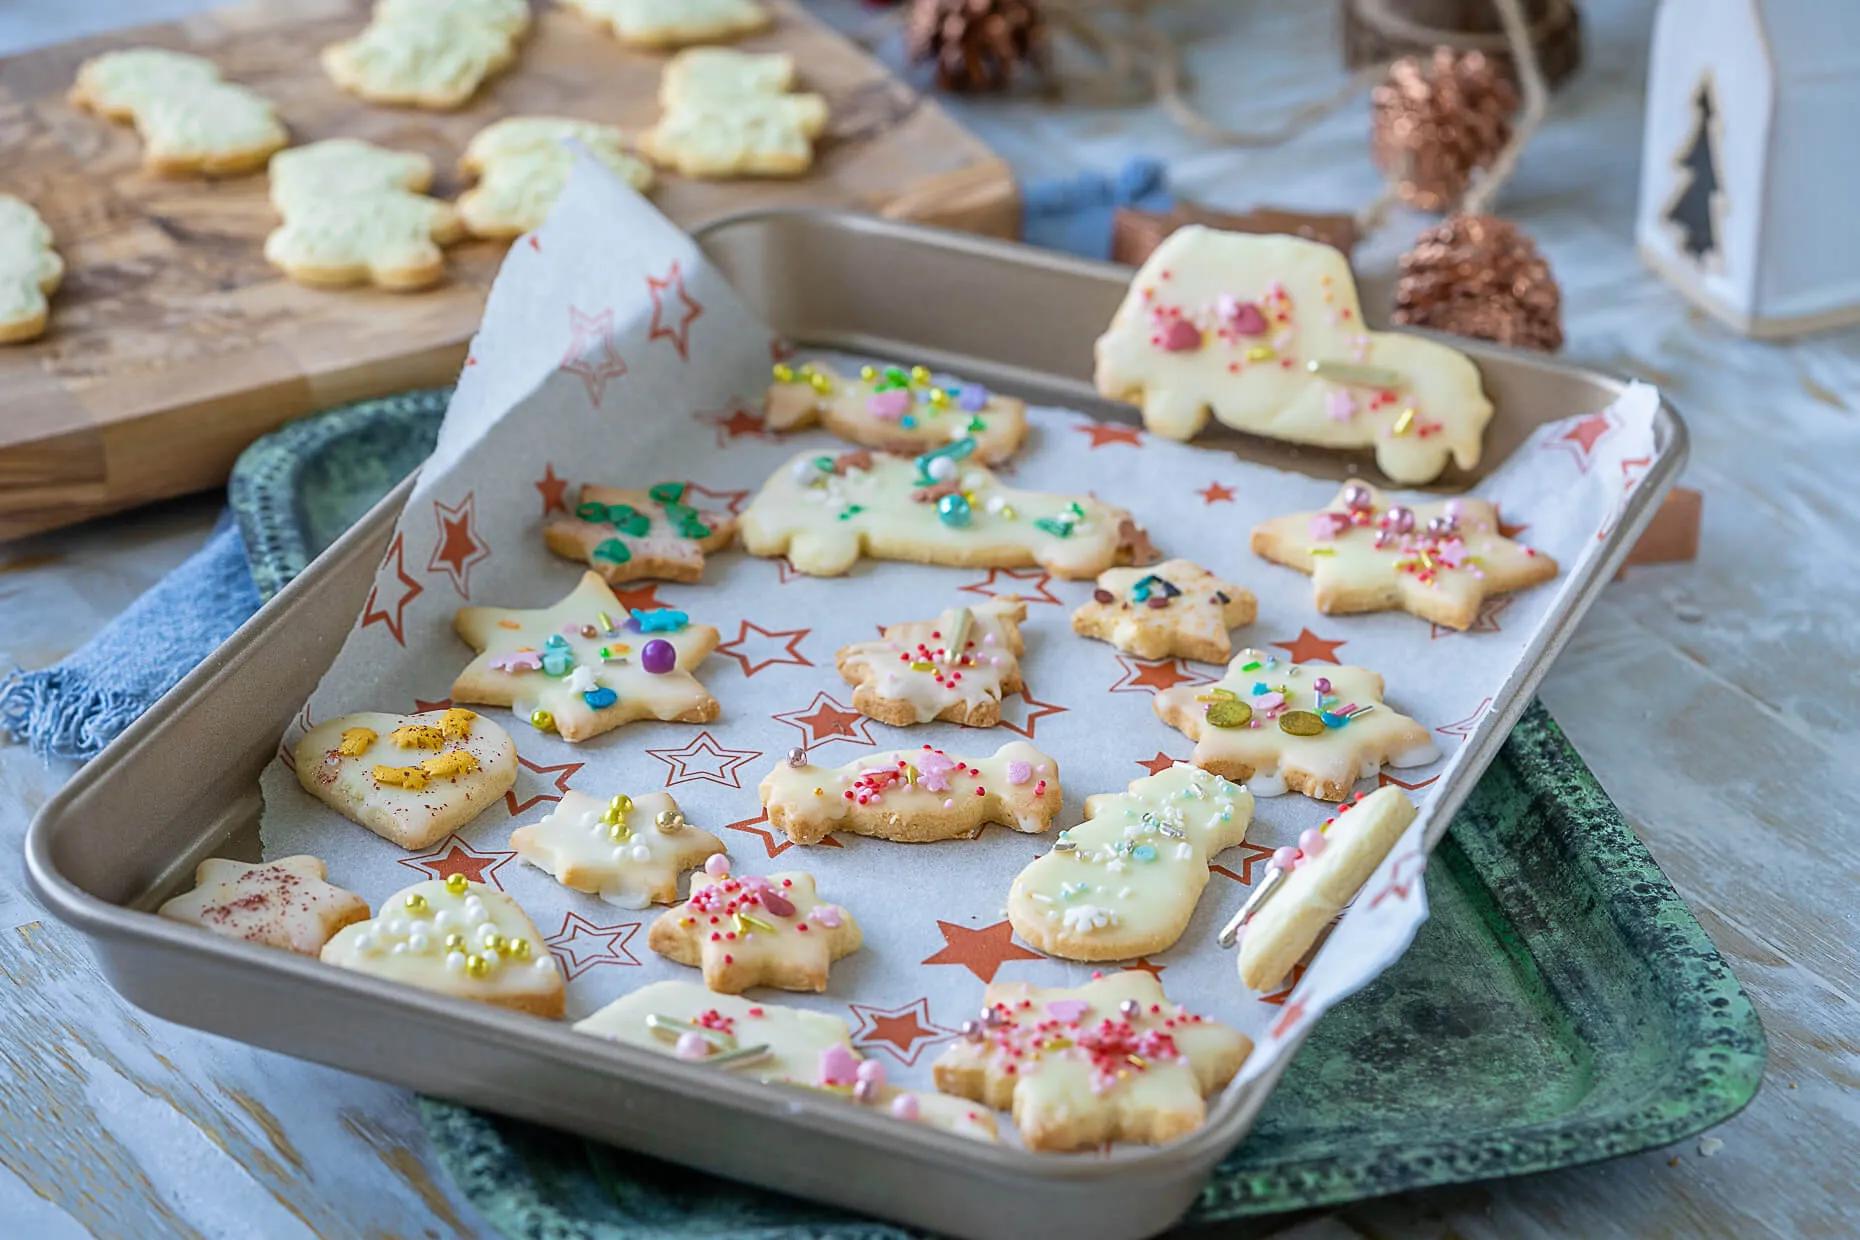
284,903
956,668
755,931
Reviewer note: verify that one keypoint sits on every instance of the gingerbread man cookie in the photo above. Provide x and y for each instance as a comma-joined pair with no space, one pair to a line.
775,1044
284,903
1112,1060
729,114
456,938
673,23
522,165
586,665
627,851
1280,726
1266,333
627,534
1125,882
30,271
956,667
428,53
913,796
754,931
192,122
824,511
1173,609
1306,886
1438,561
895,410
353,213
412,779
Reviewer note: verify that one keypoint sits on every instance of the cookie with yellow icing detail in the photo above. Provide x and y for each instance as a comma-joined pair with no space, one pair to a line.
412,779
191,120
287,903
673,23
627,850
625,534
731,114
522,165
1176,609
956,668
30,270
893,409
353,213
754,931
913,796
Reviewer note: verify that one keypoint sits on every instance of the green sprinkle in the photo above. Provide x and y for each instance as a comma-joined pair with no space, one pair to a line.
679,512
850,511
976,424
613,549
667,492
1075,508
694,528
591,511
1058,529
629,520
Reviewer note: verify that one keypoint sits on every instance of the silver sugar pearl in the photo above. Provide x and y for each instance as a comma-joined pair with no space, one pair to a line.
797,756
1441,526
1130,1008
971,1030
1399,519
993,1017
865,1091
1356,497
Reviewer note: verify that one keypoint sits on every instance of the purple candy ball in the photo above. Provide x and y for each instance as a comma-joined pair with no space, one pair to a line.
658,656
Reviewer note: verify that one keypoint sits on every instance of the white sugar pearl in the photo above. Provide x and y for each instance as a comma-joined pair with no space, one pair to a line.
455,962
486,933
395,927
418,942
592,821
941,468
619,854
476,916
445,919
641,853
365,944
804,469
993,505
399,949
544,964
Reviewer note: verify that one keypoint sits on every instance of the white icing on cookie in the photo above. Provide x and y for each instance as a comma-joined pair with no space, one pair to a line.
432,55
914,795
352,212
191,121
753,931
956,667
412,779
727,114
285,903
673,23
29,271
896,410
628,850
521,165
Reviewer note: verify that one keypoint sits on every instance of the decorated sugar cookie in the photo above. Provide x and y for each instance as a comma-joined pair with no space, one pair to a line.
1125,882
1173,609
458,938
522,165
673,23
353,213
777,1044
1438,561
412,779
956,667
1281,726
730,114
913,796
628,851
624,534
1308,885
428,53
1265,333
192,122
285,903
1112,1060
895,410
753,931
30,271
823,511
586,665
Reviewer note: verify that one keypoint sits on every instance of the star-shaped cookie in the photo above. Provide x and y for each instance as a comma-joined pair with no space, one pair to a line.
894,409
1280,726
586,665
623,535
412,779
284,903
1112,1060
956,667
628,851
913,795
1173,609
754,931
1125,882
1438,561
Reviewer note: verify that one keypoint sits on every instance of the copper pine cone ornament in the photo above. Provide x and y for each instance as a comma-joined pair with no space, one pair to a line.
1480,276
976,45
1434,122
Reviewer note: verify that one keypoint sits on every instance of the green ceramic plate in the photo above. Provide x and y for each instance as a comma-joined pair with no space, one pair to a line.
1561,1004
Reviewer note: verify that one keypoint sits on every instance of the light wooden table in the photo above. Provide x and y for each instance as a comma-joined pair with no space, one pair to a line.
1716,702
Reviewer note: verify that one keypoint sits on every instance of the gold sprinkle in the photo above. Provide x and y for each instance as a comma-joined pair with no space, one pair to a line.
417,736
542,720
517,949
455,942
456,884
477,966
920,375
939,397
1402,423
415,902
1357,374
355,742
745,923
868,373
452,762
820,383
412,778
1261,353
1137,1061
783,372
1323,551
607,621
456,724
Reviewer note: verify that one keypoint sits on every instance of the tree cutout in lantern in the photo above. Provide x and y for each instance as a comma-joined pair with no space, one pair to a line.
1694,206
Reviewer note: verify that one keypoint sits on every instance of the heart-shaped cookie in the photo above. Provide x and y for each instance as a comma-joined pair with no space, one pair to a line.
412,779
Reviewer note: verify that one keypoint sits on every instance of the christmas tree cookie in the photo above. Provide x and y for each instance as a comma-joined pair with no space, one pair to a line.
1176,609
1265,334
1125,882
895,410
627,851
754,931
1113,1060
913,796
456,938
1438,561
412,779
824,511
956,667
623,535
285,903
1280,726
586,665
776,1044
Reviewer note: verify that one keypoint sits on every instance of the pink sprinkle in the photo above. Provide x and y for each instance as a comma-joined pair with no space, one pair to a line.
933,770
691,1046
1340,404
890,405
904,1106
949,805
1247,320
1181,336
838,1066
1326,526
1312,842
718,866
827,915
1269,701
518,660
1067,1009
1285,858
872,1072
1018,772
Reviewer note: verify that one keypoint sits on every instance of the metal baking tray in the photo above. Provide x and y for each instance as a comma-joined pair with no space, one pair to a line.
182,784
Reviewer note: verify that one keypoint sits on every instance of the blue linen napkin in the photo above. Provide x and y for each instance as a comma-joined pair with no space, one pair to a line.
76,707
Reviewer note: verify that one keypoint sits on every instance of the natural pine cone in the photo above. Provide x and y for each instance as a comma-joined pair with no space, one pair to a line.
1436,121
1480,276
977,45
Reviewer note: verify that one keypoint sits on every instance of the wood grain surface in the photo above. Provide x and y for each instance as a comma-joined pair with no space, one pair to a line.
173,343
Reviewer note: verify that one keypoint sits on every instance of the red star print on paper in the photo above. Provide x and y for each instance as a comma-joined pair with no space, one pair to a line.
1485,620
591,354
287,743
779,350
1308,647
373,613
1251,857
1384,780
1278,997
554,490
1508,529
774,843
1215,493
703,760
1464,727
582,945
1102,434
737,422
1403,877
1143,964
455,856
459,548
730,501
640,598
1030,711
1030,585
824,721
1633,469
563,772
904,1033
685,311
421,705
1581,437
766,649
982,952
1155,675
784,573
1289,1018
1157,765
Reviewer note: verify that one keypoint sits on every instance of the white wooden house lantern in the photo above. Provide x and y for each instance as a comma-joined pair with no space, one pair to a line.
1750,161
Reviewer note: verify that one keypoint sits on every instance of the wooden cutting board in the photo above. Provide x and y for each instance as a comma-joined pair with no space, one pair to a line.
173,344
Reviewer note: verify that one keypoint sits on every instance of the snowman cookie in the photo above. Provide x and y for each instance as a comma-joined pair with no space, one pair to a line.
628,851
624,534
893,409
1176,609
913,796
286,903
753,931
956,667
412,779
